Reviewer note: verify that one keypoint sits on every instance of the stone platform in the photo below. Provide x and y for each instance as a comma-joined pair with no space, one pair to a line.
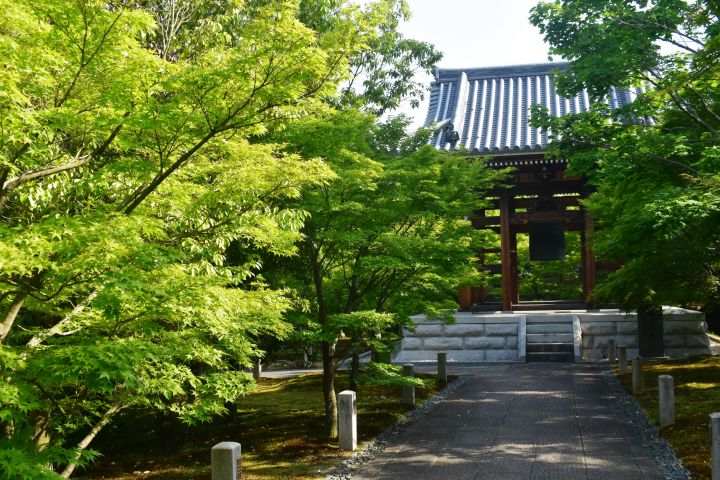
503,337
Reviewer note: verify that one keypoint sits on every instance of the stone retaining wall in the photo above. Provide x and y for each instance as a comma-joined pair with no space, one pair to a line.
685,333
472,338
494,337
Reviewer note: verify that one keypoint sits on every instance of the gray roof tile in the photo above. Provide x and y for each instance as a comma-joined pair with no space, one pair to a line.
488,108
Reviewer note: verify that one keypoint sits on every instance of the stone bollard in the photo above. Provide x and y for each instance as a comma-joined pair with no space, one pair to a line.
347,420
666,394
611,351
715,445
225,457
409,391
638,380
622,359
257,370
442,367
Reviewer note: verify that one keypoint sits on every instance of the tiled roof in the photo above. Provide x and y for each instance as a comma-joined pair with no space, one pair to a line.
486,110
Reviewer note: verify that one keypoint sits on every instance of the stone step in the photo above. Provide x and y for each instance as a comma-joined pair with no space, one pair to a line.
530,319
549,338
550,348
549,357
549,328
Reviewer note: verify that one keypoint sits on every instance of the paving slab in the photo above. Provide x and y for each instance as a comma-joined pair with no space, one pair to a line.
537,421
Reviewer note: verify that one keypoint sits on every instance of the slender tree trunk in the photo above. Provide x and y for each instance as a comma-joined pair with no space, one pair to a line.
12,314
104,420
42,436
328,349
331,412
60,326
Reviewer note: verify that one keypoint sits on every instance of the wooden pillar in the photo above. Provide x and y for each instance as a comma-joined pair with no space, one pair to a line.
588,257
505,251
465,298
514,268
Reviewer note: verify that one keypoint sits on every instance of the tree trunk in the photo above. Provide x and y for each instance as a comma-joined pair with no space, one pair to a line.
650,331
328,349
331,412
60,326
104,420
354,371
12,313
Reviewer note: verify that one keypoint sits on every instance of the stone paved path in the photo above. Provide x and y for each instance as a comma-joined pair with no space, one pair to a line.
536,421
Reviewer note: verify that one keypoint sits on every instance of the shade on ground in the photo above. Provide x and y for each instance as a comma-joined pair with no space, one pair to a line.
520,422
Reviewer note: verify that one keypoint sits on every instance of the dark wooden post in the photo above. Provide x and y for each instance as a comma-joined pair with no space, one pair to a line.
650,331
588,257
465,298
514,268
505,251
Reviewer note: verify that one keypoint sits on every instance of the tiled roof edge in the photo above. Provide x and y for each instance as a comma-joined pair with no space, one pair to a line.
449,74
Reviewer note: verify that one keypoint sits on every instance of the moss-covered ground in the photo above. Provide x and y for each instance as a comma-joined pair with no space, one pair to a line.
279,425
697,395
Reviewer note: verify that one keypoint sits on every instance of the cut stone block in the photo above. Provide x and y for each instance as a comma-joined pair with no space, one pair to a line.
598,328
428,330
500,329
674,341
224,459
630,341
638,378
470,330
622,359
626,328
500,355
443,343
715,445
484,342
347,420
666,400
412,343
697,341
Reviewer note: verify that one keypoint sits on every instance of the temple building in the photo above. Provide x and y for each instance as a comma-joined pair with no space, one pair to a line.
486,112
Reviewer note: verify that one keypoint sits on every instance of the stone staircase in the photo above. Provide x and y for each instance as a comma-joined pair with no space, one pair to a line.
550,338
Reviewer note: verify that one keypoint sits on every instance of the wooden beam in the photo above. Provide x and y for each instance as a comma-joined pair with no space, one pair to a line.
568,216
564,201
505,248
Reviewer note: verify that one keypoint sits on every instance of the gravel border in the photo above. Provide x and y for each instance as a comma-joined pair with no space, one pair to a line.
345,470
669,465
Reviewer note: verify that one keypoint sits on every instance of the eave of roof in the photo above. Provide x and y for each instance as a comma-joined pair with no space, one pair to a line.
486,110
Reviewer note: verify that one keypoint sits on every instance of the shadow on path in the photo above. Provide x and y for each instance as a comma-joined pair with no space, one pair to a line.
536,421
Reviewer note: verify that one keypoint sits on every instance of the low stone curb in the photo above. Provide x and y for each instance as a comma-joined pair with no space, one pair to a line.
345,470
669,465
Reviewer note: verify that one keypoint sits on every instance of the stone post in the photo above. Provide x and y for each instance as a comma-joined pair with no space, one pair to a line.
666,394
257,369
611,350
409,391
225,457
622,359
347,420
442,367
715,445
638,380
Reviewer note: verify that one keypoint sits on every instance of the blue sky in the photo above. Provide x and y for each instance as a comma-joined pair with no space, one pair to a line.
475,33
